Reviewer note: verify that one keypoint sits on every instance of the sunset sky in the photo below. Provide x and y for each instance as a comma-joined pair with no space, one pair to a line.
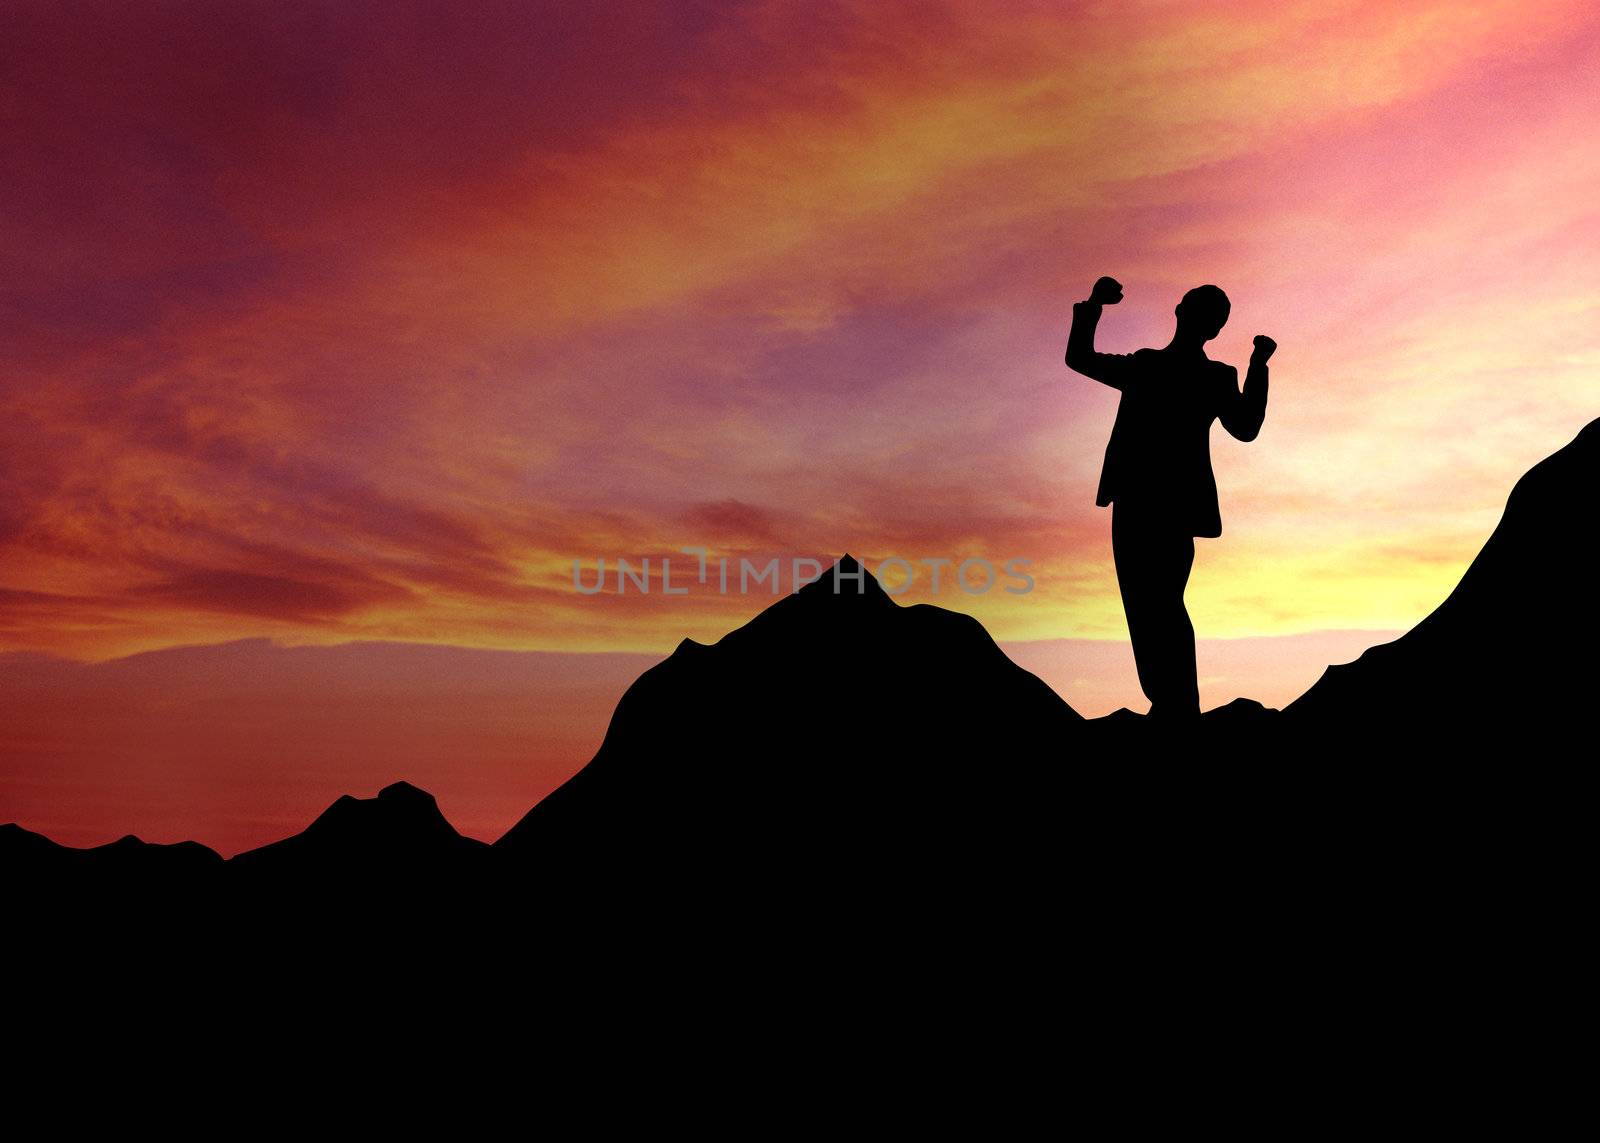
344,322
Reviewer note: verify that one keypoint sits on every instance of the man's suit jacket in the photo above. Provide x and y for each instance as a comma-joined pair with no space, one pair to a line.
1158,460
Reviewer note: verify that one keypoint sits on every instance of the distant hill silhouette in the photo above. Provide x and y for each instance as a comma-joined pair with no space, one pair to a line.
126,859
252,739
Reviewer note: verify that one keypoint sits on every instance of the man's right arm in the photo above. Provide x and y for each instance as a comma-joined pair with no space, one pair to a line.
1114,369
1242,413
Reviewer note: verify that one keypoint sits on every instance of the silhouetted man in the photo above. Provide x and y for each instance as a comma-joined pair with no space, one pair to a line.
1157,473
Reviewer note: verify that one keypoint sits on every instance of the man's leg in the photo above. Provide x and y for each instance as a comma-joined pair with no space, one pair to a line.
1181,685
1153,562
1136,564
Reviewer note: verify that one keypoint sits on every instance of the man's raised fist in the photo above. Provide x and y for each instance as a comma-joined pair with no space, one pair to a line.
1264,347
1106,292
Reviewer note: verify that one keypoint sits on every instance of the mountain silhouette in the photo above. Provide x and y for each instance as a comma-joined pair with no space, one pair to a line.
836,734
842,755
1509,654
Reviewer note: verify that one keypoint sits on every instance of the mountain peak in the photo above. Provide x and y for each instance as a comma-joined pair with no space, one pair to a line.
847,577
405,792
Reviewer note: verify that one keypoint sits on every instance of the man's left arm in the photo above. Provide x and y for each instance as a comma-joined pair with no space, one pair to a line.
1242,413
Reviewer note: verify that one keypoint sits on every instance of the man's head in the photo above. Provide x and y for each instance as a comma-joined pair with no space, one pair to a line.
1203,312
